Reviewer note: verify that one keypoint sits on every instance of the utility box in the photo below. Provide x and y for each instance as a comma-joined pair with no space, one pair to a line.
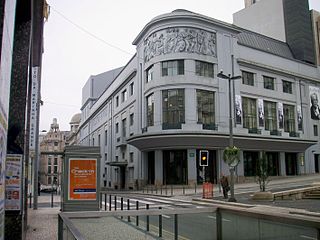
80,183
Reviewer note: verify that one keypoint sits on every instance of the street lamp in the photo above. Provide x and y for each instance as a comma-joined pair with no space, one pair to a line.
233,164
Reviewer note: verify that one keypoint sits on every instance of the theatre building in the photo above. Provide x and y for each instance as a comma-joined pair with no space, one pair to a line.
153,116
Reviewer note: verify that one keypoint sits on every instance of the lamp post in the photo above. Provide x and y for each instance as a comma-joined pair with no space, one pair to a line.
233,164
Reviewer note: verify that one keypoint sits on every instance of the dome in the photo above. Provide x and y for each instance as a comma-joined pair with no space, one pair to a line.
76,118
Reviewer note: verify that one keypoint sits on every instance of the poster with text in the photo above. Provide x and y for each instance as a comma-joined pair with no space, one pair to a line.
299,118
3,150
82,179
13,182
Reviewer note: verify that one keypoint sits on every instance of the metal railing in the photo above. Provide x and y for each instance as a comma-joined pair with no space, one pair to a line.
219,222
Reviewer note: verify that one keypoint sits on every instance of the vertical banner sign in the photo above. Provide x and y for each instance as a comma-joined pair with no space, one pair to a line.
34,110
299,118
280,115
261,112
82,179
314,102
13,182
238,108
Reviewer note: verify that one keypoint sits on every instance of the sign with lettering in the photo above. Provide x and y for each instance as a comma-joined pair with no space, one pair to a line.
34,107
82,179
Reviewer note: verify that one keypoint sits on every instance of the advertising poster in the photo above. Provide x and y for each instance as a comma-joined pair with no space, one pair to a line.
3,150
299,118
82,179
261,112
280,115
314,102
13,182
238,107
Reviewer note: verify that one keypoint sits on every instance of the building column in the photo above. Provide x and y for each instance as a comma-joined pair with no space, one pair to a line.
282,164
192,168
301,164
158,164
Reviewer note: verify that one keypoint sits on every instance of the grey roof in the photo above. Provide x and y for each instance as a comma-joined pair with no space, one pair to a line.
266,44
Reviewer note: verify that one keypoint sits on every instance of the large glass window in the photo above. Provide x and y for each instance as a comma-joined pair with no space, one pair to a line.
268,82
124,127
248,78
173,108
124,96
250,163
249,110
270,114
149,74
150,110
289,119
204,69
172,68
205,107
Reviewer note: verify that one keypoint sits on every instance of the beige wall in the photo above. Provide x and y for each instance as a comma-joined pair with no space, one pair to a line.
315,16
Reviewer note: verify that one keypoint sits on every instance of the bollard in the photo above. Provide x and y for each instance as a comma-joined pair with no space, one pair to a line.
147,189
115,202
121,206
51,199
156,190
147,207
176,227
128,207
110,202
171,190
100,201
30,196
105,202
166,190
160,224
161,190
183,190
137,217
195,188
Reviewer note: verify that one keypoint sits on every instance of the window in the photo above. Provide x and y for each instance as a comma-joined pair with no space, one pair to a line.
49,180
172,68
150,110
117,127
55,161
249,113
49,169
248,78
315,130
268,82
117,158
149,74
131,119
117,101
55,169
106,138
250,163
124,96
289,119
173,108
205,107
131,89
270,115
124,127
131,157
92,141
55,144
106,157
49,161
287,86
99,140
204,69
123,155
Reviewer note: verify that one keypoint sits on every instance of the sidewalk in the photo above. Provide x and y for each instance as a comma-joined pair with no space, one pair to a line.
43,222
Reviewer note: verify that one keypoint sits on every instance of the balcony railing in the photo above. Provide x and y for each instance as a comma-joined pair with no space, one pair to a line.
254,130
211,126
275,133
294,134
166,126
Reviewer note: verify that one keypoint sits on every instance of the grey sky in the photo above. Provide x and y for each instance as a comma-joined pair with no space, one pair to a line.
71,55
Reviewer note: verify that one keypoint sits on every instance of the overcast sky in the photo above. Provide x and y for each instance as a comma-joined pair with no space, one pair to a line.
88,37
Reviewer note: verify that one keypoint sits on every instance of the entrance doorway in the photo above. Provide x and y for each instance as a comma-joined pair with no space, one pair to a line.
316,163
151,168
210,170
291,164
122,177
175,167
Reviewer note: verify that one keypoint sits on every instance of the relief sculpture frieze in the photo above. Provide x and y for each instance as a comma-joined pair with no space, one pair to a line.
179,40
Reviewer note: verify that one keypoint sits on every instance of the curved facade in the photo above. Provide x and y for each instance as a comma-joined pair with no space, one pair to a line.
154,122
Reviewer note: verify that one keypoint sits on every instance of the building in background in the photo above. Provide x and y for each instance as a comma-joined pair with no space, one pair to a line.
315,17
286,20
51,147
167,104
73,138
